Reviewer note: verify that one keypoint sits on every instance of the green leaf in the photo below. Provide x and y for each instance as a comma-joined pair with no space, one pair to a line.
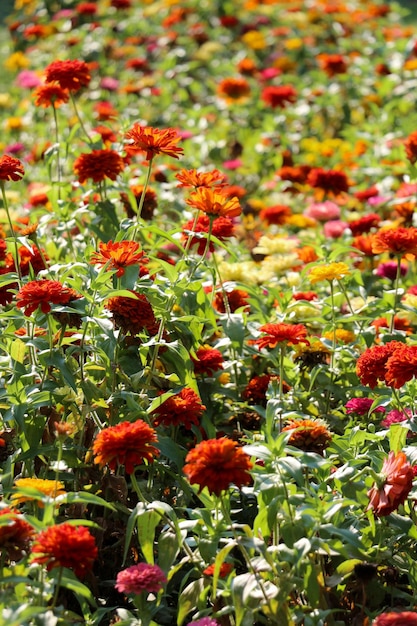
188,599
397,436
147,522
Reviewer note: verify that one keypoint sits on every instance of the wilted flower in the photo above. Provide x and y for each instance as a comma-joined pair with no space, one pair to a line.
396,480
15,535
308,435
127,443
139,578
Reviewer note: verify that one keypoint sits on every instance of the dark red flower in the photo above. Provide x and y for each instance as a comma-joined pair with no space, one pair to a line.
65,545
371,366
332,64
236,299
329,181
364,224
410,145
216,464
222,228
153,141
127,443
133,314
98,165
276,214
395,485
43,293
255,390
289,334
279,96
184,408
16,534
208,360
11,168
71,75
401,366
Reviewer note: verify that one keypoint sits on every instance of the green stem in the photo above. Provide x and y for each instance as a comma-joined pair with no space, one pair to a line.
58,161
396,288
79,118
56,591
12,233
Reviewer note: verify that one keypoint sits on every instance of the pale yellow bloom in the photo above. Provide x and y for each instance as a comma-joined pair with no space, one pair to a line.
332,271
5,100
246,272
275,245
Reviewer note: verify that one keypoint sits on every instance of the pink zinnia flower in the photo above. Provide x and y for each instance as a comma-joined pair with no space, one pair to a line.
361,406
389,270
323,211
204,621
395,416
403,618
334,228
139,578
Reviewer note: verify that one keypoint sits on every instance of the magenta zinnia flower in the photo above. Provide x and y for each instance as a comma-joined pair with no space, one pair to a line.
139,578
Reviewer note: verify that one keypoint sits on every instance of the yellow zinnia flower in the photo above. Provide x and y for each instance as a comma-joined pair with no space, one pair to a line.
341,334
51,488
332,271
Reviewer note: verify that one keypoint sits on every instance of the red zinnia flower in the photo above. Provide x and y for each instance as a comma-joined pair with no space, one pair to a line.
255,390
71,75
50,95
192,178
225,569
222,228
98,165
15,535
308,435
364,224
395,485
236,298
208,361
401,366
214,202
394,618
398,241
276,214
127,443
216,464
134,314
279,96
139,578
43,293
65,545
183,408
332,64
11,168
233,90
153,141
118,255
289,334
330,181
371,366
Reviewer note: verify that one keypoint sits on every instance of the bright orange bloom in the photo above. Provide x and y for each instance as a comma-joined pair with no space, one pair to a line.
233,90
371,366
410,145
134,314
98,165
398,241
65,545
11,168
127,443
184,408
332,64
192,178
225,569
401,366
50,95
216,464
364,243
71,75
153,141
43,293
118,255
289,334
308,435
214,202
395,485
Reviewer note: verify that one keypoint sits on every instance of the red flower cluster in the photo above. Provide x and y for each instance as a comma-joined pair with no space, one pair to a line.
11,168
127,443
43,293
65,545
364,224
289,334
139,578
395,485
208,360
222,228
98,165
71,75
133,314
279,96
308,435
410,145
329,181
153,141
184,408
216,464
118,255
394,363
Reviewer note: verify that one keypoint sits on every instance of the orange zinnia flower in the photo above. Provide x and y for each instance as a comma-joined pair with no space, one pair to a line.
118,255
371,366
224,570
208,360
150,201
332,64
281,333
133,314
410,145
11,168
65,545
192,178
398,241
98,165
236,298
233,90
184,408
71,75
216,464
153,141
221,228
127,443
394,485
43,293
50,95
308,435
276,214
214,202
401,366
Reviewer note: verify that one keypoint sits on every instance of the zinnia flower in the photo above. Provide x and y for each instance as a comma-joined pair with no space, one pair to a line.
364,224
216,464
127,443
236,298
401,366
389,270
410,145
279,96
332,64
183,408
396,480
118,255
133,314
276,214
329,181
193,178
323,211
361,406
50,488
15,535
225,569
290,334
308,435
139,578
222,228
332,271
396,417
371,366
50,95
255,390
204,621
394,618
43,293
208,360
11,168
214,202
153,141
398,241
71,75
98,165
233,90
